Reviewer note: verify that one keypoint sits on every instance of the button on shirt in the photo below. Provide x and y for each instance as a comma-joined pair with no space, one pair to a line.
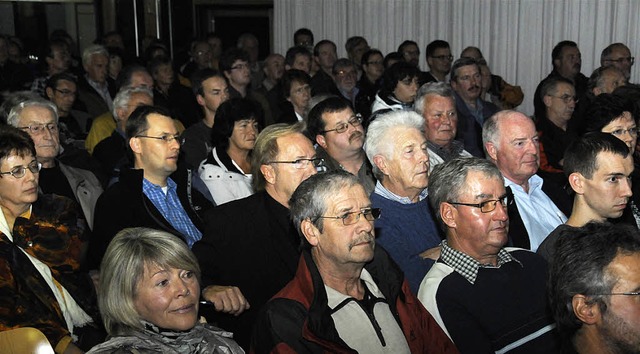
165,199
539,214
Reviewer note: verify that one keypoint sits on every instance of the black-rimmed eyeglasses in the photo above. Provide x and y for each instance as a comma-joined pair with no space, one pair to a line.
355,121
488,205
301,164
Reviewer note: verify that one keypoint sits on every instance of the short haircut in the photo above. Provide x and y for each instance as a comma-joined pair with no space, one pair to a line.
379,140
341,64
441,89
309,200
16,111
123,268
447,180
405,44
353,42
52,82
315,123
396,73
580,267
471,48
293,75
491,127
14,141
391,56
137,122
597,77
556,53
230,56
124,96
316,48
266,149
53,45
606,52
437,44
460,63
302,32
293,52
549,85
365,57
581,156
126,75
92,50
606,108
202,75
228,113
12,99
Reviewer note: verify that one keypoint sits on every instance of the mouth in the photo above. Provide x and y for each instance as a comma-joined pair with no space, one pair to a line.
185,309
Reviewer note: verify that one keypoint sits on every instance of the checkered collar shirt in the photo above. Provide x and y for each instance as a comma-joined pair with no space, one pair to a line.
170,207
468,267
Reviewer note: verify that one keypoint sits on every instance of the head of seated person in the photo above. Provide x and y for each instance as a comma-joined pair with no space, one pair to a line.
149,294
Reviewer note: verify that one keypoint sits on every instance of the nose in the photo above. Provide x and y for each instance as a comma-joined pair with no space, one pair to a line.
626,188
182,288
500,213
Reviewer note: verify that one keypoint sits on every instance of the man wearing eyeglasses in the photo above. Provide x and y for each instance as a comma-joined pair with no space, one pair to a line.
618,55
39,118
154,193
339,134
512,143
559,98
249,245
439,60
487,298
594,289
466,83
599,167
234,64
397,149
347,295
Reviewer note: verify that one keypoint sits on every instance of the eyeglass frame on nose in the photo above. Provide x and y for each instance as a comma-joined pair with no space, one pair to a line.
351,218
504,200
37,129
630,60
567,98
443,57
167,138
302,163
620,132
355,121
20,171
241,67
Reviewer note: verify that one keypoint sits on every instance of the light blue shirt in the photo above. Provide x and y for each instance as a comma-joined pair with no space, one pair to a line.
539,214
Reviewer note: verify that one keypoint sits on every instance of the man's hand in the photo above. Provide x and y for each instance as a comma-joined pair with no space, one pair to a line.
227,299
431,253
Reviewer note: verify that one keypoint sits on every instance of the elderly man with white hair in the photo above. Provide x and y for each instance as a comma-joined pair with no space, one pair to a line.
93,90
397,149
436,103
39,118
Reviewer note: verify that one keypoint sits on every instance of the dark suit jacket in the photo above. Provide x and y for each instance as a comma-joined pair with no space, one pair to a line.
89,100
249,243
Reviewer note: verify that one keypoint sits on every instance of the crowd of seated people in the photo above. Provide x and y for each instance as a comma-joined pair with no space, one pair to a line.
311,203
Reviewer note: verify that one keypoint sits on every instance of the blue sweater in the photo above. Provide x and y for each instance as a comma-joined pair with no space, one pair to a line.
405,231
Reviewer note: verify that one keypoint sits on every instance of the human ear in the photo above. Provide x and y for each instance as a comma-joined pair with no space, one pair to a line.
268,173
447,213
310,232
586,311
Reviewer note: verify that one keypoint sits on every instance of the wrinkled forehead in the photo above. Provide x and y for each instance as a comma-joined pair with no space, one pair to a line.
36,114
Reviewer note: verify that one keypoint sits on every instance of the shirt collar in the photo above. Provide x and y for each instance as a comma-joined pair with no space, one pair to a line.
535,182
468,267
171,185
382,191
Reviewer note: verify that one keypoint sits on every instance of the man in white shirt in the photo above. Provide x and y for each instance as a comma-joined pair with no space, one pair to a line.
511,142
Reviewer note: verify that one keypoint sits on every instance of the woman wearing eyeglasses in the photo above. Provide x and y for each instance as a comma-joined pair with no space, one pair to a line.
227,169
41,247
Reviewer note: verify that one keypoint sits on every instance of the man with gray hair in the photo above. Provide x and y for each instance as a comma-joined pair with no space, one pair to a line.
39,118
111,152
436,103
353,298
512,143
250,244
397,149
345,76
487,298
93,90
